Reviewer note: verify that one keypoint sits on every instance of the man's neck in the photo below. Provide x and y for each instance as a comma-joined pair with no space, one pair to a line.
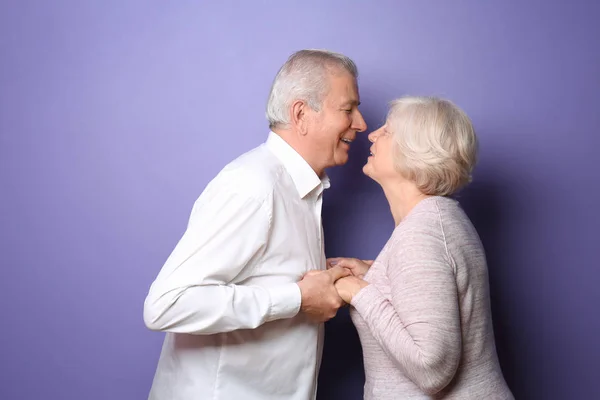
293,139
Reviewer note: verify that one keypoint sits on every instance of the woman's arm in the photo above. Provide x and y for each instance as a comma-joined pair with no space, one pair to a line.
420,327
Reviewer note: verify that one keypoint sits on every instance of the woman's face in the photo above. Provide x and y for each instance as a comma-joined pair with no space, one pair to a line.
380,165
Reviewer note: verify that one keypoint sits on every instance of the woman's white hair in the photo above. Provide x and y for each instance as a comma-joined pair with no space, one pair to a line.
435,143
304,76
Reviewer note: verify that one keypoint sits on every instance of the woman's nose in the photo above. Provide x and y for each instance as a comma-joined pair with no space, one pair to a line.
373,136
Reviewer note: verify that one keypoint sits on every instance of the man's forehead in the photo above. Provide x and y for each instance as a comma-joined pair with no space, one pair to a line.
351,101
345,89
350,96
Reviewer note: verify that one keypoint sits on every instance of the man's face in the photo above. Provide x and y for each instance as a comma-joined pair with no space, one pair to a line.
334,127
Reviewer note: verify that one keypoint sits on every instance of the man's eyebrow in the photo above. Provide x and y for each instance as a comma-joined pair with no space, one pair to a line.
351,103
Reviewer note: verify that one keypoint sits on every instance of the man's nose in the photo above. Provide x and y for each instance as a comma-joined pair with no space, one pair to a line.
360,125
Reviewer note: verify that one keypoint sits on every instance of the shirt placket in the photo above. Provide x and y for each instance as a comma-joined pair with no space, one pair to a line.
321,241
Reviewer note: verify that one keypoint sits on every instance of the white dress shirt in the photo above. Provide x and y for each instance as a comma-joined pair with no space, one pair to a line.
227,295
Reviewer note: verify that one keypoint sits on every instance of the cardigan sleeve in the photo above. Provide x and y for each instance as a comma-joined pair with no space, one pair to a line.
419,328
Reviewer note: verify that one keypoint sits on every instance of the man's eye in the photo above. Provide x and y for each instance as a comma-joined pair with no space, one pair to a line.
348,111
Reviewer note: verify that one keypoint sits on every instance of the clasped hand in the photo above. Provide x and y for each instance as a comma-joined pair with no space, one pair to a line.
347,287
324,292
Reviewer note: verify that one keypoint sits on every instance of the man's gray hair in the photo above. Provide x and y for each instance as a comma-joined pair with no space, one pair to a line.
304,76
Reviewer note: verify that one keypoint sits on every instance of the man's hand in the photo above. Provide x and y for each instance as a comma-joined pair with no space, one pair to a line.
320,299
358,267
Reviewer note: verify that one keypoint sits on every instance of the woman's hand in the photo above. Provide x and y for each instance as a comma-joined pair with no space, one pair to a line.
349,286
358,267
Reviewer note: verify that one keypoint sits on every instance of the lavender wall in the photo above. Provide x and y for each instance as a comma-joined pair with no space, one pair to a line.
115,114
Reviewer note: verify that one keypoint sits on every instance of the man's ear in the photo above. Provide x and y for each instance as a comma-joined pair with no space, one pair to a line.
299,116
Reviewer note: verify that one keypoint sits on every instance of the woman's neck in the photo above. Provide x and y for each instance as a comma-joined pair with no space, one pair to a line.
402,198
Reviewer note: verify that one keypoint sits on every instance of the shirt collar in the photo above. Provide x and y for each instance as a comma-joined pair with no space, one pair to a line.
304,177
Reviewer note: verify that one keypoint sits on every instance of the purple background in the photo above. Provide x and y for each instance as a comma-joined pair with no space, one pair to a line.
114,115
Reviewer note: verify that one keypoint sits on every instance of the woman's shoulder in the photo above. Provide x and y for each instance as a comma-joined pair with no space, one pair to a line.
425,218
428,225
433,214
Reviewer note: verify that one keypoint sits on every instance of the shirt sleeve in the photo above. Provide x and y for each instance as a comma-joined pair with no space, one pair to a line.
419,328
195,291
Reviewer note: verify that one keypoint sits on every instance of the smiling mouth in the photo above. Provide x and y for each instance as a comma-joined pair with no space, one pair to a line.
347,141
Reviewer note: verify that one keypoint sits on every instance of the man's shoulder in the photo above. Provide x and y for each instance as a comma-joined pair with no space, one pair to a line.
254,173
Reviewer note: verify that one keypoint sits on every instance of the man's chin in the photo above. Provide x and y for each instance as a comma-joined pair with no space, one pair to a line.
341,160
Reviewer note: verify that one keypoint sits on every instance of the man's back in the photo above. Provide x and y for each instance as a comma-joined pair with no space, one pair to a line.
261,213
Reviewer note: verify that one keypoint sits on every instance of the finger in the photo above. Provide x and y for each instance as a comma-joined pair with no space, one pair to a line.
338,272
311,273
349,263
332,261
368,262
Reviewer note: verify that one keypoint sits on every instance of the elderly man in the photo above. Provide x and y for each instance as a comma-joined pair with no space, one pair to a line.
242,314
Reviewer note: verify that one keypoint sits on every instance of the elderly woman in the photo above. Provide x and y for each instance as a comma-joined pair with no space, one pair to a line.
422,308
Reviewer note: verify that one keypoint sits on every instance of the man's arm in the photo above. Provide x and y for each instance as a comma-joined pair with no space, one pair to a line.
193,292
